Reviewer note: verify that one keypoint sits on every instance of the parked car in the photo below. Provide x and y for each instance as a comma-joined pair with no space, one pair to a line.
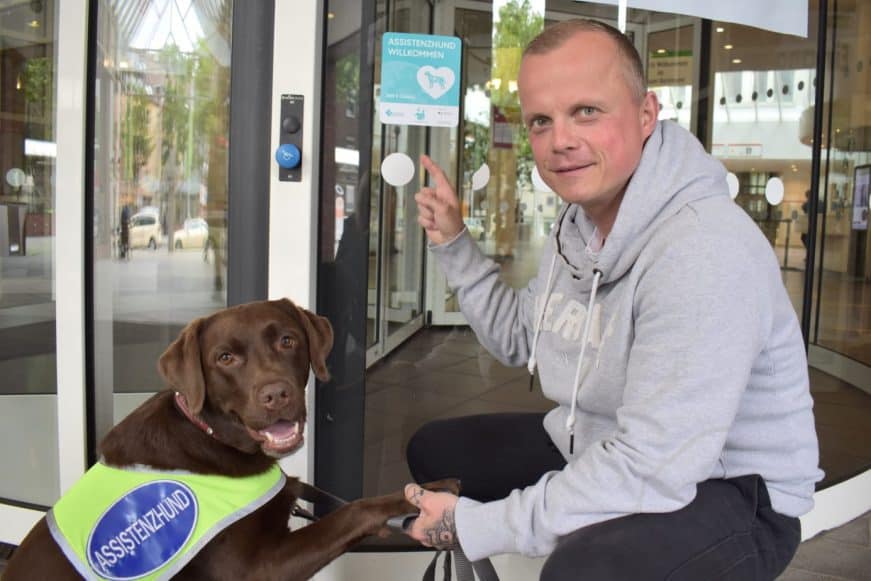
193,234
145,230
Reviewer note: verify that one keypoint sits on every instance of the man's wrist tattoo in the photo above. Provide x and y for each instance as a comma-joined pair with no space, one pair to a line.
443,534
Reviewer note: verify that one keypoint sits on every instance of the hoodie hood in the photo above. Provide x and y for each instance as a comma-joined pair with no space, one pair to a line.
674,171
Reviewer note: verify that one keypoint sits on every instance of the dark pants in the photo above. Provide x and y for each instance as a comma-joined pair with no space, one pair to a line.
729,531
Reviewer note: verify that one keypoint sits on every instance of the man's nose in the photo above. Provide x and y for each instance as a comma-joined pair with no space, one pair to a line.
565,135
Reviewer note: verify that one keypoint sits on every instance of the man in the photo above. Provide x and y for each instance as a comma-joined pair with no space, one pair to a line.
683,443
124,232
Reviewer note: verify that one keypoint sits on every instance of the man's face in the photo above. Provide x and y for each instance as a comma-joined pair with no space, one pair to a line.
585,126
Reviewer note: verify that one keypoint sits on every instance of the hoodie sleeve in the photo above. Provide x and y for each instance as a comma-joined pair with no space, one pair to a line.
499,314
699,318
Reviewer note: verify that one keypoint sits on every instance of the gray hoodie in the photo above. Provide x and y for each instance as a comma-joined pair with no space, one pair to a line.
694,367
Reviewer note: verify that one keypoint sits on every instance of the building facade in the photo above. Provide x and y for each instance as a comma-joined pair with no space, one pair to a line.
140,190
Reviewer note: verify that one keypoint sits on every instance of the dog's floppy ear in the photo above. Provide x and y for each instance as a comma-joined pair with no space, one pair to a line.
181,368
320,338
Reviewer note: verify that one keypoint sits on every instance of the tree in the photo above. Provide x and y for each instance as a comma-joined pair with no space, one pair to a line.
510,167
136,142
518,25
194,118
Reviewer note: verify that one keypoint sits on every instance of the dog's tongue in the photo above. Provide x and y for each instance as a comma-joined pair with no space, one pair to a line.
281,430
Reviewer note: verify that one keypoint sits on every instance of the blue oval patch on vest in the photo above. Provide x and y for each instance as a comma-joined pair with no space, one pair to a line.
143,530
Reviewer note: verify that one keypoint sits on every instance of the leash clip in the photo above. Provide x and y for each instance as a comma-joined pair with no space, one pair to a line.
402,522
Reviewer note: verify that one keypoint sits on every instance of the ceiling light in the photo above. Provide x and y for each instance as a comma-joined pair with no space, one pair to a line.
660,51
727,46
736,61
331,15
720,29
33,24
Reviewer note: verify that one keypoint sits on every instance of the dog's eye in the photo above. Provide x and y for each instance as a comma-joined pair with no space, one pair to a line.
288,342
225,358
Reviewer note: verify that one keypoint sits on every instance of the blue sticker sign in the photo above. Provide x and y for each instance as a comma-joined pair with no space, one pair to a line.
420,79
143,530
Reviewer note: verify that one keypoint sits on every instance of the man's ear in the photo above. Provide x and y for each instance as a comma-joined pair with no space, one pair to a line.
320,337
649,113
181,368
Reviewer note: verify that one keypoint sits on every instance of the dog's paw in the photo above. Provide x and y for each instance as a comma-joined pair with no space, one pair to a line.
451,485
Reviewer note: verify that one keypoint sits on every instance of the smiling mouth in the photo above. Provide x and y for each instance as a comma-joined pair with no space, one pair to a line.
570,169
280,438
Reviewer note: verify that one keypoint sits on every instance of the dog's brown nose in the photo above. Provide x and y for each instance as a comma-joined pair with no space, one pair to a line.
274,396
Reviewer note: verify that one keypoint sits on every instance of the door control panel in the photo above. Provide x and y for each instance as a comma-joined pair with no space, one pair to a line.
289,153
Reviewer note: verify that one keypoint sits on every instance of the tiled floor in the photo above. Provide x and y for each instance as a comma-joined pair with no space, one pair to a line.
445,372
841,554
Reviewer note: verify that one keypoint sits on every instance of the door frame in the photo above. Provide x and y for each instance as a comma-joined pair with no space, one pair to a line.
71,51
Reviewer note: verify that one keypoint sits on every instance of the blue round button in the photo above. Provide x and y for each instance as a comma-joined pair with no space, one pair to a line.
288,156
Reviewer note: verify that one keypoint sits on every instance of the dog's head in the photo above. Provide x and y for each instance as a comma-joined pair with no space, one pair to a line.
244,370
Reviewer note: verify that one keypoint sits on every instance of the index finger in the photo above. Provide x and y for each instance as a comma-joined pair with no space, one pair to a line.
435,171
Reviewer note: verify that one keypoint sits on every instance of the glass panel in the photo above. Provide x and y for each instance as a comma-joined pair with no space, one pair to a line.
843,256
763,111
763,103
404,245
160,180
508,216
28,412
845,298
760,110
670,64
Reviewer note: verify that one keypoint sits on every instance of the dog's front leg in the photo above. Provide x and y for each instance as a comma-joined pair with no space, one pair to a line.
305,551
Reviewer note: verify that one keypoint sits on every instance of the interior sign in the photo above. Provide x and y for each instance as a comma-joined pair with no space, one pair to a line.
420,76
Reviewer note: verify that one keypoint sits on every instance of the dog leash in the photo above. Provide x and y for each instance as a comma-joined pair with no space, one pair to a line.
466,570
317,497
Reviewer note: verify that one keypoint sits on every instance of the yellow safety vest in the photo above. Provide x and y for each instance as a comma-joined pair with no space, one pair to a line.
133,523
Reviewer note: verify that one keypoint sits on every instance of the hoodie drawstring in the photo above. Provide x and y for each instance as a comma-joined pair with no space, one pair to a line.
570,421
539,319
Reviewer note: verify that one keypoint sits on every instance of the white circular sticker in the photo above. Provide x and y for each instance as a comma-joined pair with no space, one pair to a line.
732,180
481,177
397,169
774,191
15,177
537,182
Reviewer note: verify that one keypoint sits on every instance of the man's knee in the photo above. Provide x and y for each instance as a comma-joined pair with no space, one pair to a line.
422,449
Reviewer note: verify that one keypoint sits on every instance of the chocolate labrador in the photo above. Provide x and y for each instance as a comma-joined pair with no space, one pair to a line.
235,403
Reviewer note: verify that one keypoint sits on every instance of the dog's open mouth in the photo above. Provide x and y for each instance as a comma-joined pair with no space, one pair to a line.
281,437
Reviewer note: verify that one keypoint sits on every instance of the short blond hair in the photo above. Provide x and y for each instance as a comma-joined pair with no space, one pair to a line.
554,36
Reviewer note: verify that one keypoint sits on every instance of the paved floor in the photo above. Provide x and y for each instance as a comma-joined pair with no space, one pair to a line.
841,554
